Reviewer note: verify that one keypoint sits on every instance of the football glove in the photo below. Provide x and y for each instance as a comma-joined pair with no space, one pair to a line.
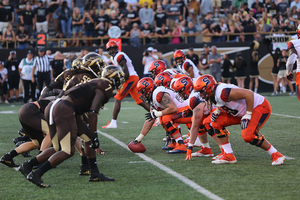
290,76
245,120
153,115
189,153
135,142
95,141
215,115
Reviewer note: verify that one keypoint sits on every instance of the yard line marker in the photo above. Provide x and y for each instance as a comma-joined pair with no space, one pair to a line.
146,161
290,116
185,180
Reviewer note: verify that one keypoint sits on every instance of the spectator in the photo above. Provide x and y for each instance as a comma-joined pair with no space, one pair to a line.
224,28
275,56
193,57
102,17
10,11
232,30
27,18
43,68
161,57
135,33
3,18
100,33
148,58
214,61
273,10
79,4
64,14
216,33
132,17
194,10
283,8
257,4
287,26
162,33
54,4
203,59
164,4
3,83
41,18
249,28
237,4
191,32
122,11
149,3
13,76
173,12
22,37
238,27
57,64
25,70
89,27
176,32
294,3
254,73
294,16
18,12
147,32
114,5
9,37
246,8
146,14
68,61
106,60
216,5
182,9
226,4
77,22
114,20
160,18
207,33
226,66
124,31
258,15
240,66
206,8
207,21
131,3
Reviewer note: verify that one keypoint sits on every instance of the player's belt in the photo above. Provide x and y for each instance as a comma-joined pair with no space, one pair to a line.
51,111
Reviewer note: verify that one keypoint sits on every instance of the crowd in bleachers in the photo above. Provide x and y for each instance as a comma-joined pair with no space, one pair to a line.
160,21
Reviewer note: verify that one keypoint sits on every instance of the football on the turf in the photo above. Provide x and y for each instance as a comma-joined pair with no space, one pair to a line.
136,148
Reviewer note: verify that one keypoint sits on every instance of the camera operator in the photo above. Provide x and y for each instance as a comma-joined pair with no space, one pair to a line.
148,58
13,76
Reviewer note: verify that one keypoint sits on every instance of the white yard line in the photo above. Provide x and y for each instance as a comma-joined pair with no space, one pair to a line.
290,116
185,180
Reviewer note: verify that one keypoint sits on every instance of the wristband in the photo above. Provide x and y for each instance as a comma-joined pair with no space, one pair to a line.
93,111
191,145
158,113
140,137
248,113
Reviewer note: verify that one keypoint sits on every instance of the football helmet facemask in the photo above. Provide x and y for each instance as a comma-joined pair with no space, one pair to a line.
94,63
115,75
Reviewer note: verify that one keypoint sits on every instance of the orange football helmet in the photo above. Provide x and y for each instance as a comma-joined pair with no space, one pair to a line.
145,86
205,85
156,67
183,86
163,79
112,48
179,57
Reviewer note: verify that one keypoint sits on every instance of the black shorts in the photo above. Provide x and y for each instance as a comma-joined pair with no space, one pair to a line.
3,88
13,82
33,122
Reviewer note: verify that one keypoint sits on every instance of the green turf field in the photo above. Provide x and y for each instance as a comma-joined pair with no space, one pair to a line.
252,177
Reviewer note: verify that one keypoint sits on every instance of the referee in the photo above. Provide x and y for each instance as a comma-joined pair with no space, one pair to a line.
42,66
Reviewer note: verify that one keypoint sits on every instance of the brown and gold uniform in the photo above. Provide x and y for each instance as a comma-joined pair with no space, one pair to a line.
61,114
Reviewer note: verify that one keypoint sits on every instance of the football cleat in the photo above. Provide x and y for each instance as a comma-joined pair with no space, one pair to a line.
99,177
8,162
206,152
218,156
171,146
37,180
21,132
277,158
226,158
110,125
186,136
26,155
156,123
25,169
180,148
84,170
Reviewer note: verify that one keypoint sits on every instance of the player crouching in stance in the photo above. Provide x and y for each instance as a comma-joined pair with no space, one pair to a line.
241,106
164,102
87,97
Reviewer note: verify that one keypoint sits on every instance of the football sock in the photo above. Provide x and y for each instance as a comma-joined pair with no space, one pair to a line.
113,121
255,90
178,139
227,147
205,145
271,150
93,165
11,154
33,162
44,168
84,160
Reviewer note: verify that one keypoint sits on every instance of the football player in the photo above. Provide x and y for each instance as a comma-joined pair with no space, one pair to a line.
294,54
120,59
87,97
186,65
241,106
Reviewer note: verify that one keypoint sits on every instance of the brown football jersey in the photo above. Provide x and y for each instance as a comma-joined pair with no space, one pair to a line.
79,78
83,94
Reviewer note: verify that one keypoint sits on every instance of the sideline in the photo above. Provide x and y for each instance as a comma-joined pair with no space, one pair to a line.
185,180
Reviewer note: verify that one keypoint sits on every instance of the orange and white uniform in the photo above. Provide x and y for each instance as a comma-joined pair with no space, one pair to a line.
296,45
234,110
186,65
129,86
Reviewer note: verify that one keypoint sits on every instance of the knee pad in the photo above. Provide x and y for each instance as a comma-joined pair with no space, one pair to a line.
202,130
171,128
221,133
85,138
258,140
209,129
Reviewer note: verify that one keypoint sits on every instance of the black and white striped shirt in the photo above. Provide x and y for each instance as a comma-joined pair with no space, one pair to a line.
42,64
